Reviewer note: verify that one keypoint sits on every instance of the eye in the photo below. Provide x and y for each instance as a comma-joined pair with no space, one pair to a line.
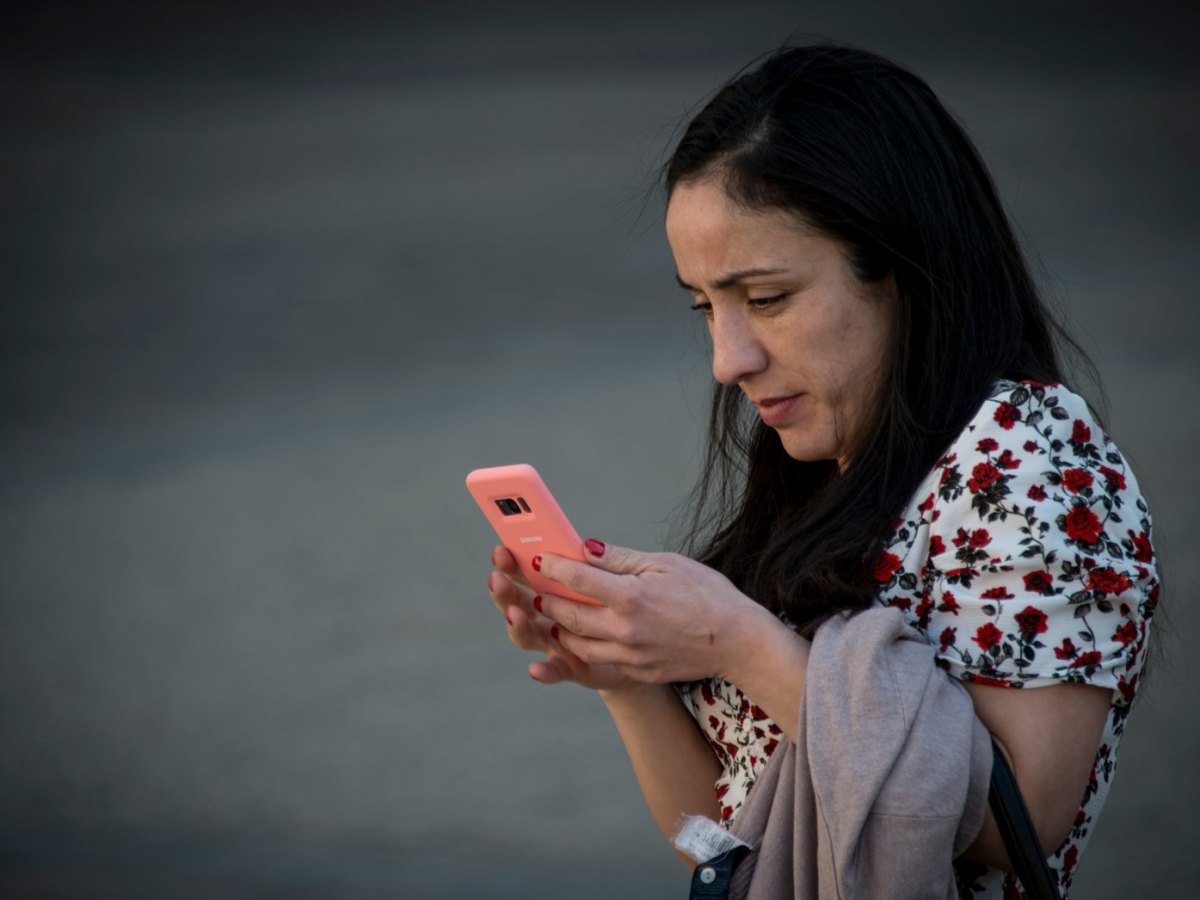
705,308
764,302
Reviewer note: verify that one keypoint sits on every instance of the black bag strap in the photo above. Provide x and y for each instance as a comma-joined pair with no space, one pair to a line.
712,879
1016,828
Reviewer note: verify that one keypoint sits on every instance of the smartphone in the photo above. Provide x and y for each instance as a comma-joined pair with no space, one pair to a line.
528,521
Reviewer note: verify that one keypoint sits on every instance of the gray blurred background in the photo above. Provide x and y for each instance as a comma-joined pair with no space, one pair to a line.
275,279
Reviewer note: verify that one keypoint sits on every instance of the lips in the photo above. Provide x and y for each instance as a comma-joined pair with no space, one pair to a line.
774,411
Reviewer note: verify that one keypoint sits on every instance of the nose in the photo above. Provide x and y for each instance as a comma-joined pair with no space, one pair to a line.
737,352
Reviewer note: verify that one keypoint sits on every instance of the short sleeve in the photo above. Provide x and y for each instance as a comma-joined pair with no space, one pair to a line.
1040,566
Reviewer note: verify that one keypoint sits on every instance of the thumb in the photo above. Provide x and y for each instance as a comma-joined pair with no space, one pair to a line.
611,558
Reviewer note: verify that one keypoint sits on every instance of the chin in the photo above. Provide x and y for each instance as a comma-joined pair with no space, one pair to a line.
806,451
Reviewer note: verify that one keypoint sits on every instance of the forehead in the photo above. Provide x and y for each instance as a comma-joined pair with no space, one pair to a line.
706,227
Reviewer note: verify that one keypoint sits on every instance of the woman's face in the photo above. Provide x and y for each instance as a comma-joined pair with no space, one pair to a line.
790,323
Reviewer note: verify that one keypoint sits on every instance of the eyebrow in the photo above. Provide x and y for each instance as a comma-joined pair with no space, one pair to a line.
732,278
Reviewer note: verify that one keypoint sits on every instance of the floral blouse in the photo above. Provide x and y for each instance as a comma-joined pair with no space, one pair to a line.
1025,559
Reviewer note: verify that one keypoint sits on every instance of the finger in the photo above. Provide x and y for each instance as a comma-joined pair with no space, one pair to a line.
528,632
552,670
618,560
503,559
575,617
593,579
588,651
505,592
502,591
584,578
560,664
527,627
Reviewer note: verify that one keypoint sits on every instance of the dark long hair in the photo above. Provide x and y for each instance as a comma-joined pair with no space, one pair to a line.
860,148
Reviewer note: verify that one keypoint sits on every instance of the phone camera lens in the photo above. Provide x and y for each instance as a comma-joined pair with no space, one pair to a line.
508,506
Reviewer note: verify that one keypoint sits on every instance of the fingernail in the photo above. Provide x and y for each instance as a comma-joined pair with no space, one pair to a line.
491,590
554,633
594,547
537,602
508,615
537,564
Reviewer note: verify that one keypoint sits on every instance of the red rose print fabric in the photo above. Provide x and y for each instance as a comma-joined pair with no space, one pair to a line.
1026,559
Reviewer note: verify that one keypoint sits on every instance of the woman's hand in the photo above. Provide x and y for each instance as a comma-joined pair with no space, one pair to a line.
664,617
531,630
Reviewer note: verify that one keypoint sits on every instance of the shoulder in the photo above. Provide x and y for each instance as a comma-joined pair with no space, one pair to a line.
1040,546
1041,437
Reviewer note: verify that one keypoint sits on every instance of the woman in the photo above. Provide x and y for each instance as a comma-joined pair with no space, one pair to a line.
889,428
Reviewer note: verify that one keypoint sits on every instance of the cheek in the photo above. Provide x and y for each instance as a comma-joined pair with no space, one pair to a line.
845,340
866,334
854,354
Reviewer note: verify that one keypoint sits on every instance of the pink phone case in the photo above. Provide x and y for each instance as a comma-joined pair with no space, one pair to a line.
528,521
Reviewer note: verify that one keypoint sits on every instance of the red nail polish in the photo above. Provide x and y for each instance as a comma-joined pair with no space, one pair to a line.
554,633
537,564
537,602
508,615
594,547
